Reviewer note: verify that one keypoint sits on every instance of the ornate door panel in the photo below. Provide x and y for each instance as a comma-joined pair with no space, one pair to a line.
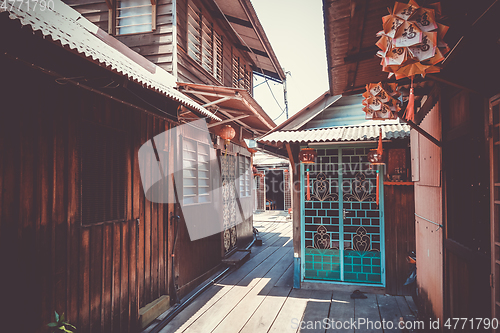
342,223
228,164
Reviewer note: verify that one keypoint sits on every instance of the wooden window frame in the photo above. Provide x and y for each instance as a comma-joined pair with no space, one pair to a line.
241,76
244,186
113,18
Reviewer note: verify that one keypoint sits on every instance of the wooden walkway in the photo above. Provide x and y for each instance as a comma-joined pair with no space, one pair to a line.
258,297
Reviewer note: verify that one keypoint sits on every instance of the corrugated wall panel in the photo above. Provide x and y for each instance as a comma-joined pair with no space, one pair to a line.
429,153
428,206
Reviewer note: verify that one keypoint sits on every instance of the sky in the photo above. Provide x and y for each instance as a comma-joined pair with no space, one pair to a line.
295,31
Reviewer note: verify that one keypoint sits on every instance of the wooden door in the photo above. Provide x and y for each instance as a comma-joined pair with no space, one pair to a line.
494,138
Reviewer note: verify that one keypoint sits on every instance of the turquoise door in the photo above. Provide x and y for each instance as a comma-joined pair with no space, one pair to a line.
342,225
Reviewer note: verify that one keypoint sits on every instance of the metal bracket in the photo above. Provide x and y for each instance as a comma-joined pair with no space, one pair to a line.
423,218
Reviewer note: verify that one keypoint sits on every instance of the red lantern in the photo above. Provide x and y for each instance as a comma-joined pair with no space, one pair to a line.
307,155
227,133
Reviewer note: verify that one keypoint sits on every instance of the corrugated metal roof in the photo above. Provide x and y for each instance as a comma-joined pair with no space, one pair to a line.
71,29
263,159
343,133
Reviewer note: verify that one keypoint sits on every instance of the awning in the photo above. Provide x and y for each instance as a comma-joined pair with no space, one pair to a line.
234,104
68,27
244,21
340,134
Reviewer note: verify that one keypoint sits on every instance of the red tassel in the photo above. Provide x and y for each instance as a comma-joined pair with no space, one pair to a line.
308,189
410,113
380,151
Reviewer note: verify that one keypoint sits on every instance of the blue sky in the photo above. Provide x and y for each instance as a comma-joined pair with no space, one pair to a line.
295,30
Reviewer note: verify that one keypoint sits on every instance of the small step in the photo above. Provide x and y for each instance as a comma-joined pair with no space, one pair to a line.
151,311
237,257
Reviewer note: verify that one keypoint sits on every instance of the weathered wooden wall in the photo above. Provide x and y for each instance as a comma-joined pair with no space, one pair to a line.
187,69
428,204
156,46
98,275
399,212
467,239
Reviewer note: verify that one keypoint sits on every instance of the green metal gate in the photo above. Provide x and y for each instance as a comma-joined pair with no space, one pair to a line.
342,226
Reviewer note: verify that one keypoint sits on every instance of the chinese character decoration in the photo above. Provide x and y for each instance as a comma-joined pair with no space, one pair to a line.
380,101
411,43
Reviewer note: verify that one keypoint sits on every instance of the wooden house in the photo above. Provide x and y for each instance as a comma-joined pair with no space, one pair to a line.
272,182
78,235
454,148
348,230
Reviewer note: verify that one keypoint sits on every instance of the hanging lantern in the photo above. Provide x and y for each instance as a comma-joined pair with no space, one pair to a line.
380,101
411,43
252,150
227,133
307,155
375,155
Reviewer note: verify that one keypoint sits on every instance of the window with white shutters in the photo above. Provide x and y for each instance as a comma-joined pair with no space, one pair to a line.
244,175
196,172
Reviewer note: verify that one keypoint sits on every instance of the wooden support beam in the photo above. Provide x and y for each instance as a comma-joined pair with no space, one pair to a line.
217,101
356,26
432,99
257,114
363,54
210,94
227,121
290,156
419,129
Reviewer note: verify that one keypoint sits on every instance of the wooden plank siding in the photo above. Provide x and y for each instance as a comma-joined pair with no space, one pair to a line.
92,273
399,236
156,45
159,47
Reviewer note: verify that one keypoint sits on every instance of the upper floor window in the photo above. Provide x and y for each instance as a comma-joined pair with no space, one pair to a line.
242,78
204,43
134,16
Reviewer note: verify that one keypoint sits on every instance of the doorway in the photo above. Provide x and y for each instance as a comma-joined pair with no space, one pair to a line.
275,196
342,226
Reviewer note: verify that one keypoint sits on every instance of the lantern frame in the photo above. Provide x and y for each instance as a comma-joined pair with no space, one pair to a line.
307,155
375,158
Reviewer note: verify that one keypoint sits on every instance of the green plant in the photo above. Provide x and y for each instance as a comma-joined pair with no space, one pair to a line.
60,325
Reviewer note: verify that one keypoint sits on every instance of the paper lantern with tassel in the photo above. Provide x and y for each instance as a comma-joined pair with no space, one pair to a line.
411,43
380,101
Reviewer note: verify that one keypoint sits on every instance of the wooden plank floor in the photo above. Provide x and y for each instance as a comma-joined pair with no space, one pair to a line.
259,297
